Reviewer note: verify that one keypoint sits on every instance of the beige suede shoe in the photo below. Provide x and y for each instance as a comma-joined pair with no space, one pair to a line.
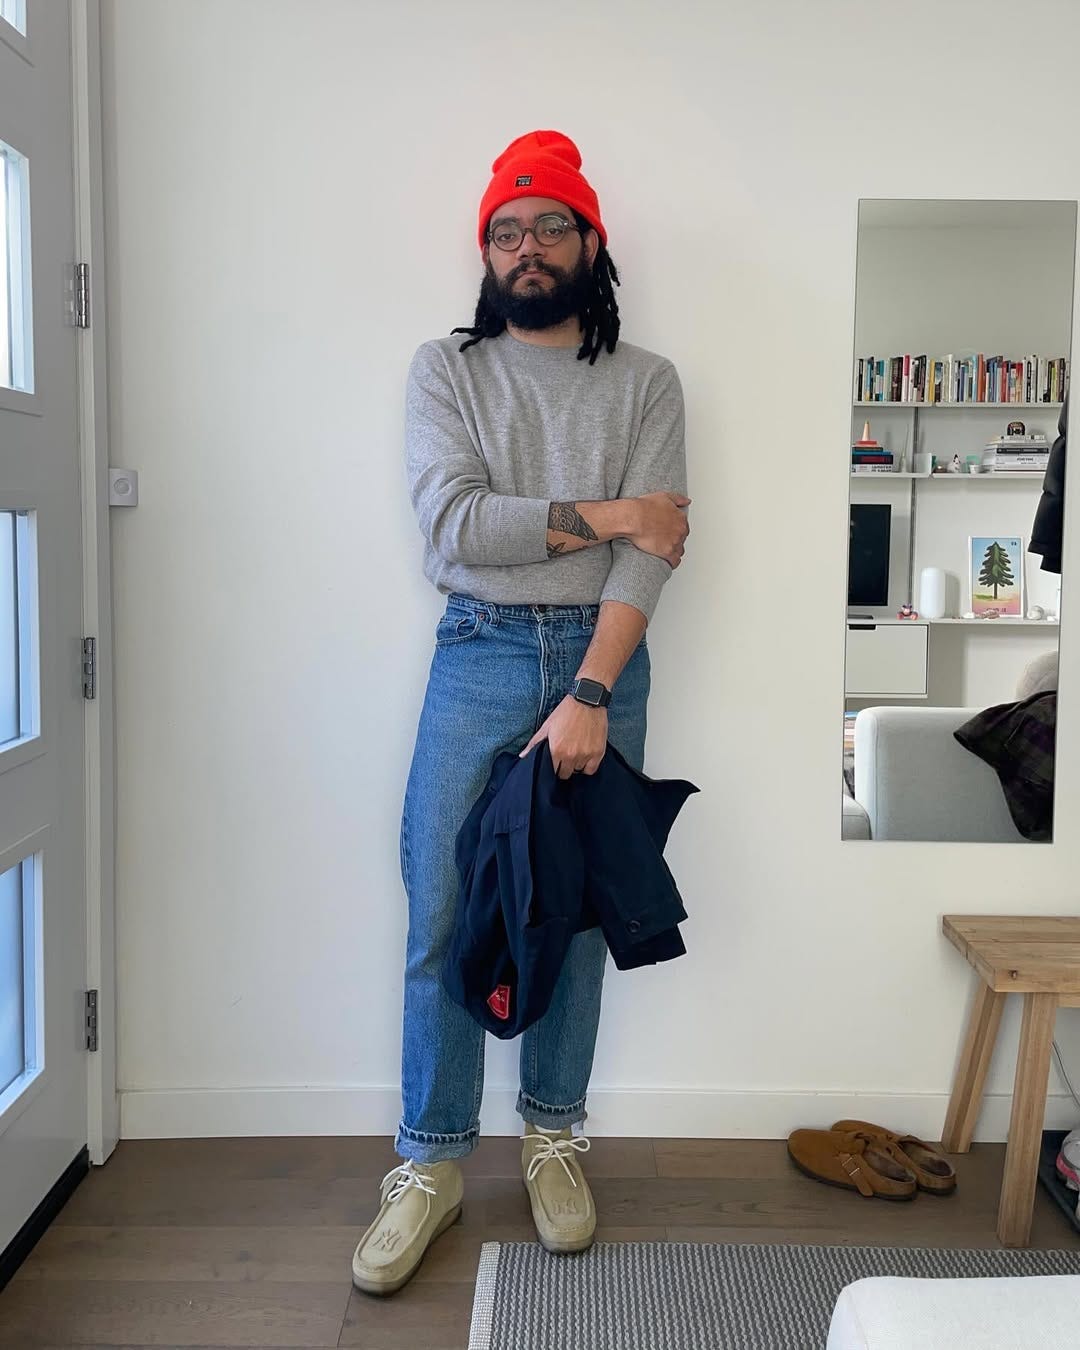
420,1201
562,1204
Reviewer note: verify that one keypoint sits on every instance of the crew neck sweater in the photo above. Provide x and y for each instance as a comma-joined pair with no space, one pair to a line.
496,433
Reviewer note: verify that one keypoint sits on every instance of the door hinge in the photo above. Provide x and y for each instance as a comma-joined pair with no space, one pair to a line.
89,667
91,1019
82,295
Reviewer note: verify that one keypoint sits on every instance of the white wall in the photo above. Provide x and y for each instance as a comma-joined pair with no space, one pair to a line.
997,280
291,207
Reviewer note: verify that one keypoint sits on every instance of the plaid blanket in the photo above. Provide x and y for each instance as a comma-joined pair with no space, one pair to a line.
1017,741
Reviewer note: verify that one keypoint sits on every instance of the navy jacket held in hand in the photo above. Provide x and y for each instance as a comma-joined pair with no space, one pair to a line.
540,858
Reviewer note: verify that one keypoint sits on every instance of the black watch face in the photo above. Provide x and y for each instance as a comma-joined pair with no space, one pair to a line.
590,691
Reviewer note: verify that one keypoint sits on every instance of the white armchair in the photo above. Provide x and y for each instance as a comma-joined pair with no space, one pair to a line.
914,780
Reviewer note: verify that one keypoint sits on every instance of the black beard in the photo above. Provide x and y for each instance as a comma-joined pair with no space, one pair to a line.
538,309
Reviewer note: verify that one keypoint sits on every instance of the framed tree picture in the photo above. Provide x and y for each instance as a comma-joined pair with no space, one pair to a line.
996,575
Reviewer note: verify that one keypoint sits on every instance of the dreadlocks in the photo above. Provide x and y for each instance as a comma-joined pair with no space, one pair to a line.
599,315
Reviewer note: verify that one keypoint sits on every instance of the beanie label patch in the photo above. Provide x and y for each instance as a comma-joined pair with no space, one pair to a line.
523,180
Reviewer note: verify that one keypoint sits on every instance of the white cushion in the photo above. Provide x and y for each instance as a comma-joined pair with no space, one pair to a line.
1038,1312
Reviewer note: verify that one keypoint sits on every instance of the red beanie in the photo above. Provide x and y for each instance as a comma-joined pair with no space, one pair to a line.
540,164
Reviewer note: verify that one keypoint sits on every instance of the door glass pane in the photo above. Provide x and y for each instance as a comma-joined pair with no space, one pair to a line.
16,347
5,289
9,631
14,11
13,1040
17,629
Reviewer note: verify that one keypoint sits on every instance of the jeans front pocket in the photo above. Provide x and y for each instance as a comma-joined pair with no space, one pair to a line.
458,625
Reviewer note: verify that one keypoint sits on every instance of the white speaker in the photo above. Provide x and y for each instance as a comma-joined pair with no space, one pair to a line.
932,593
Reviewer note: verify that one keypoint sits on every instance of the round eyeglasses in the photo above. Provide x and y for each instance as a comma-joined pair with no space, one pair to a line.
547,230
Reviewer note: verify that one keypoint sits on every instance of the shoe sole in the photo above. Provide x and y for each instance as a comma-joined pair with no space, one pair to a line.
565,1248
843,1186
940,1191
380,1288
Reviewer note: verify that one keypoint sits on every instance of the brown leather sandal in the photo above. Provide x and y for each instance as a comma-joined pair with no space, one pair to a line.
934,1174
853,1161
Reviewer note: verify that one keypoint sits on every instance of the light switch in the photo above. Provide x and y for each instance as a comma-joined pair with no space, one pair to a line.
123,487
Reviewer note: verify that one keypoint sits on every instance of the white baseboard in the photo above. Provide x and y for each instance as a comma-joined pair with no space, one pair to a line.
673,1114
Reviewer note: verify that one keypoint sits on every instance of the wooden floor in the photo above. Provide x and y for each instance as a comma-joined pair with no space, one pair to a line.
247,1242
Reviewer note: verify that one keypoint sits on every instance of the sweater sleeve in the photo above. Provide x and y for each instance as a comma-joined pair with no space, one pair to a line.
459,514
657,463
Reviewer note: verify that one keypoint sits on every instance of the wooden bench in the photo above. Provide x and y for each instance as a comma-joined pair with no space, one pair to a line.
1039,958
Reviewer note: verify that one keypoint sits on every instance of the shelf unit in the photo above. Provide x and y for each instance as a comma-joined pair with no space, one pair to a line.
948,407
889,477
914,478
996,623
1009,476
886,621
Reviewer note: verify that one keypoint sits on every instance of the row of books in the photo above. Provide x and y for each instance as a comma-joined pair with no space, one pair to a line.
1003,454
872,459
960,379
1017,454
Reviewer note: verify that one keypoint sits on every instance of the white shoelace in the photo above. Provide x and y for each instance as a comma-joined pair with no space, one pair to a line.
406,1176
547,1148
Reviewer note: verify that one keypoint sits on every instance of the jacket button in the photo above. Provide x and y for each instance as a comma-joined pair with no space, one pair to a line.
633,925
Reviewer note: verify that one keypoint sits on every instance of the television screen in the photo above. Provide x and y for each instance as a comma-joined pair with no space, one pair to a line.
868,554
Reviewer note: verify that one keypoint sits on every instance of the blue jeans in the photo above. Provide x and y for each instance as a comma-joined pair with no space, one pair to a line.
497,673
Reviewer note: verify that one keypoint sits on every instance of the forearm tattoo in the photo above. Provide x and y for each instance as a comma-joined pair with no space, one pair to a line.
565,518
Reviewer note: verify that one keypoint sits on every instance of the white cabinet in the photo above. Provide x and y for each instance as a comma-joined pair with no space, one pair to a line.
886,659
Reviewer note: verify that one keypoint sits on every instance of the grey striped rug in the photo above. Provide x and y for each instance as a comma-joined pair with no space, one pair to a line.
699,1296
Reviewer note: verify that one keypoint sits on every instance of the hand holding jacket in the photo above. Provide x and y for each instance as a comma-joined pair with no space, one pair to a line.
576,735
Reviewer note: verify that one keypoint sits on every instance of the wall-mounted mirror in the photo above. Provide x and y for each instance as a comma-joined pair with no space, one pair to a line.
959,395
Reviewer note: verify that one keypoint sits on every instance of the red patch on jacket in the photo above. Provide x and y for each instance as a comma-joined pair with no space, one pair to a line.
499,1002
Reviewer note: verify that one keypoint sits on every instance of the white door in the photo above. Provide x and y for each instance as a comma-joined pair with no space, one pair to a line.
43,1046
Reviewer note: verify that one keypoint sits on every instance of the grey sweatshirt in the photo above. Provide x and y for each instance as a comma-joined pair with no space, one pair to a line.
493,435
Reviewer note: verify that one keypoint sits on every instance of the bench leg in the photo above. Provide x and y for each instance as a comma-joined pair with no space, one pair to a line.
1026,1124
970,1079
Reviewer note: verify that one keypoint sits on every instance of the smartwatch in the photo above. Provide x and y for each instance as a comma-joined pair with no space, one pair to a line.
592,692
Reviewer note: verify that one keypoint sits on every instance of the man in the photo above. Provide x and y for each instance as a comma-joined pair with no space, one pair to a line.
546,466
